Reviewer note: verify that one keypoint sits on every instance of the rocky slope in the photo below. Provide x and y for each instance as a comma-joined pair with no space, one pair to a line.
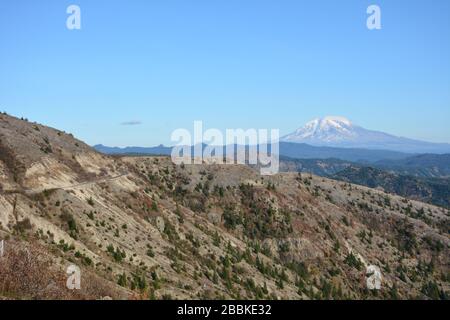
426,183
424,166
430,190
143,228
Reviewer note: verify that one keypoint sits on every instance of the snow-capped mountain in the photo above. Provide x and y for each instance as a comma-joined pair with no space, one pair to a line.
340,132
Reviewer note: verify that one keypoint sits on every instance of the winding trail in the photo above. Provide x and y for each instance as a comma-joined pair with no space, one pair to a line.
74,186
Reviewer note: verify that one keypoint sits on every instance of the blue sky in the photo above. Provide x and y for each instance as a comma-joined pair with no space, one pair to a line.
229,63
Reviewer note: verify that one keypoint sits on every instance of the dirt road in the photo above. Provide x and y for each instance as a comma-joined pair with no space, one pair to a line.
74,186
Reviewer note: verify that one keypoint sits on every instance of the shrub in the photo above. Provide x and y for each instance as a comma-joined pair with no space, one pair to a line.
353,261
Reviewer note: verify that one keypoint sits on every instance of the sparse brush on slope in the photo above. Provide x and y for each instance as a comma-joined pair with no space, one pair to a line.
144,228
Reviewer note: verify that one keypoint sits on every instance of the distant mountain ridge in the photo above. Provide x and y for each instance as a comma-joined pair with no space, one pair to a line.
305,151
430,190
424,177
158,150
291,150
423,165
340,132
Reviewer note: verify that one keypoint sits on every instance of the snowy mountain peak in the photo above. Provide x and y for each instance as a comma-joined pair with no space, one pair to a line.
328,129
333,120
335,131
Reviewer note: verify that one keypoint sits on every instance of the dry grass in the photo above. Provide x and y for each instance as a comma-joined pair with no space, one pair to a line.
28,272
